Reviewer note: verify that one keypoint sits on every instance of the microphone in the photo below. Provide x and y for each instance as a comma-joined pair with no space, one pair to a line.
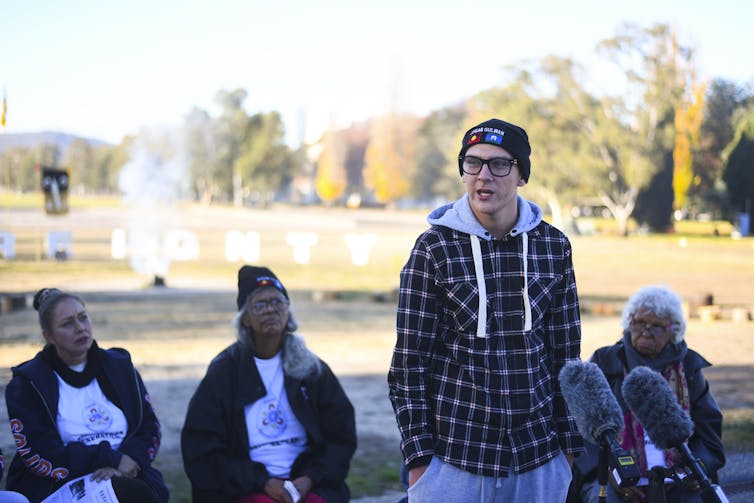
597,414
650,398
653,403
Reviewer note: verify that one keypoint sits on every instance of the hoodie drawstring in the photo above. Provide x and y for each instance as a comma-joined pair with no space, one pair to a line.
476,251
525,293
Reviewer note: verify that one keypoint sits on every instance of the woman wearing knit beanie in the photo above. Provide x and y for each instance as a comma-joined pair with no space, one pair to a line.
269,421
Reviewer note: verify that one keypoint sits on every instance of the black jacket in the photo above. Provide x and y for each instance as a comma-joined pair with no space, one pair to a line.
215,443
42,462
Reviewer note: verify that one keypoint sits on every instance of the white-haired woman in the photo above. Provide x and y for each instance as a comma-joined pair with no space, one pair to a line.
654,326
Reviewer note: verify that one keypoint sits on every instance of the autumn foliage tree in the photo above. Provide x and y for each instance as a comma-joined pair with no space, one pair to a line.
688,124
331,180
390,157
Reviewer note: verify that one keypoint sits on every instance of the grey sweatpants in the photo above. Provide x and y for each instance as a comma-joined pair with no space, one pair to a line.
444,482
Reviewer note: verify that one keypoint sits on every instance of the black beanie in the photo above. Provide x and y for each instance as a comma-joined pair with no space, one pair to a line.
251,278
503,134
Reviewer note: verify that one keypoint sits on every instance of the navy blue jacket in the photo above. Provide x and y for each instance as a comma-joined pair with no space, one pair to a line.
43,463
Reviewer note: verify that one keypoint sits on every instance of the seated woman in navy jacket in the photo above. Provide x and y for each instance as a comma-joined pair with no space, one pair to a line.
78,410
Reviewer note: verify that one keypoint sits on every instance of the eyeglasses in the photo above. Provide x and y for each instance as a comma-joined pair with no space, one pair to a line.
498,166
654,329
275,303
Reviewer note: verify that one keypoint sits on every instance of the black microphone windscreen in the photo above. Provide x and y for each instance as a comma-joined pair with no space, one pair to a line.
656,407
590,400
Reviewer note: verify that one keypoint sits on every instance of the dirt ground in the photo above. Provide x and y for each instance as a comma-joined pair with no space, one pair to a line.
173,333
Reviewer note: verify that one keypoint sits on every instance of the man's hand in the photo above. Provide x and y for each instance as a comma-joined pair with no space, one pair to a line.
415,473
569,458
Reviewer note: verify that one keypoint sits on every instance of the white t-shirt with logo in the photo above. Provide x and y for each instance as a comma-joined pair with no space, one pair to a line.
276,437
87,415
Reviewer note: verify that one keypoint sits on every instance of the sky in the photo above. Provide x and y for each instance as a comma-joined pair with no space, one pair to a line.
105,69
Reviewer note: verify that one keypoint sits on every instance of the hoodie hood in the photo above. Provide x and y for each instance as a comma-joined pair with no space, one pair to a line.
458,216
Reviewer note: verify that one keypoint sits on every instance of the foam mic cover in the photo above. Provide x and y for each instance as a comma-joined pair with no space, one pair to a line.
590,400
655,405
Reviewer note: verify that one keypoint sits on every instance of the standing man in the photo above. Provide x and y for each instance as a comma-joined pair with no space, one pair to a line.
488,314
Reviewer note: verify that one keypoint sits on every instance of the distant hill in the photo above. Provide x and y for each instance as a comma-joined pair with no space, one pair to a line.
62,140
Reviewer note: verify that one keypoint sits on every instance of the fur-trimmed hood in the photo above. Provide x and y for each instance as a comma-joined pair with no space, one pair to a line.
298,360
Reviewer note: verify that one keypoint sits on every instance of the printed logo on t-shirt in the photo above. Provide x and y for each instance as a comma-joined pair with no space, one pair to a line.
97,417
271,422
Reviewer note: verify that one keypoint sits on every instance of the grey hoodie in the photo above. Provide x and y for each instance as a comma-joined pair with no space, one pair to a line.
459,216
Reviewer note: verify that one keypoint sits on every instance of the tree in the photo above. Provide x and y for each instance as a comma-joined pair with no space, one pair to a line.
203,165
230,133
19,169
566,120
739,167
658,71
688,122
80,159
264,163
46,154
725,103
725,106
390,157
436,173
330,182
108,161
356,137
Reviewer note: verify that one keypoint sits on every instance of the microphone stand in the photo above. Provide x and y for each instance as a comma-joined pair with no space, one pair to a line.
616,457
711,493
602,472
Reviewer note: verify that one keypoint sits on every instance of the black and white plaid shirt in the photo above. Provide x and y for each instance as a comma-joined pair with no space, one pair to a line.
485,404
